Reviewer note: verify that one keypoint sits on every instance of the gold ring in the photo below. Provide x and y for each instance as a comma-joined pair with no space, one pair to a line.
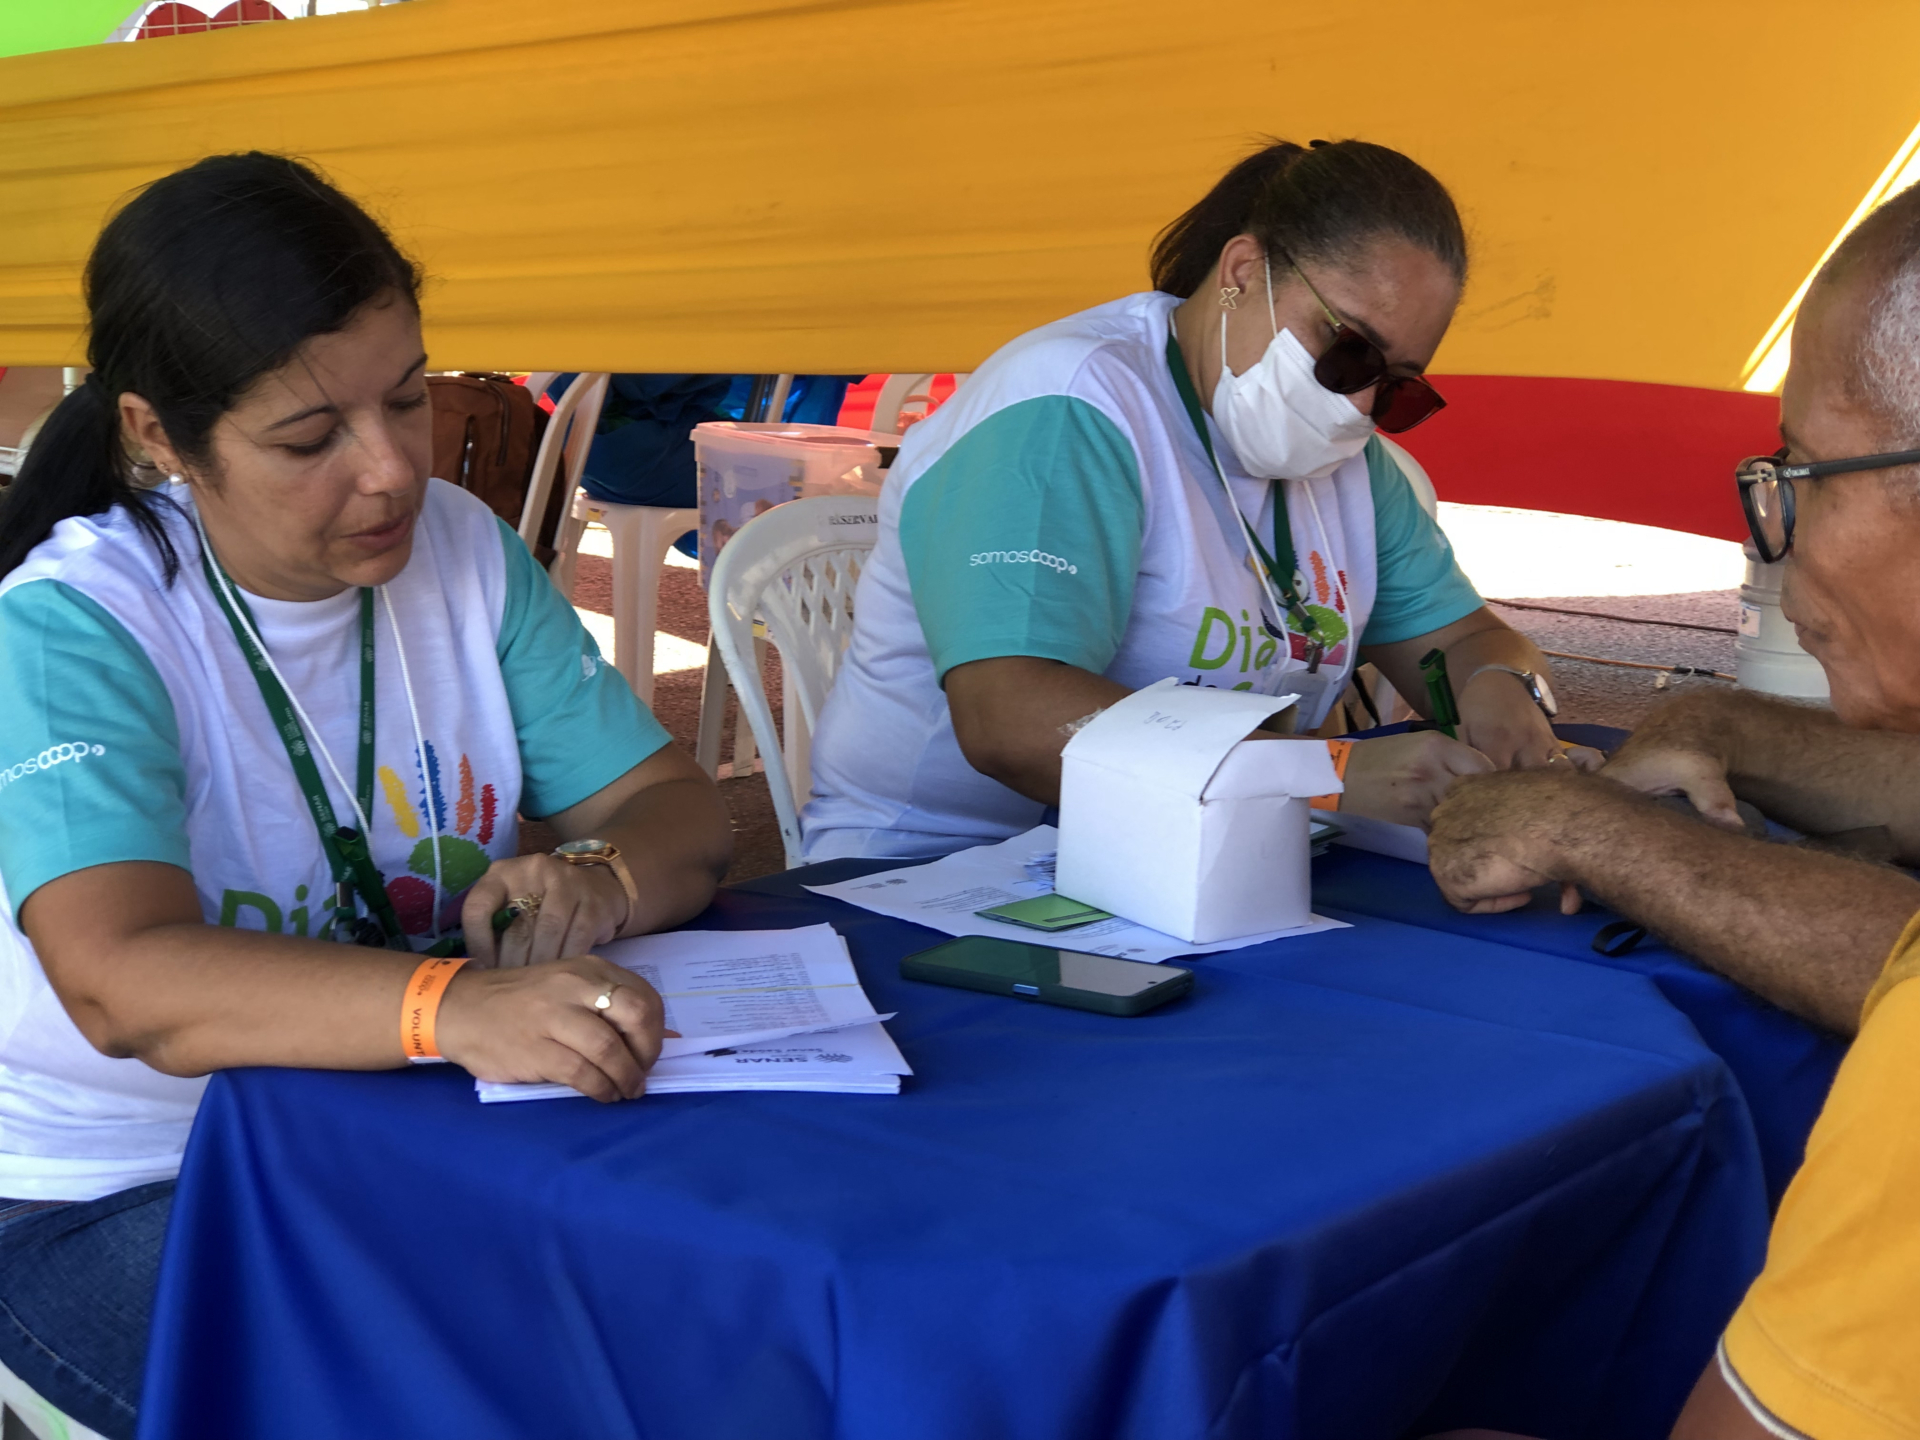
524,906
603,1002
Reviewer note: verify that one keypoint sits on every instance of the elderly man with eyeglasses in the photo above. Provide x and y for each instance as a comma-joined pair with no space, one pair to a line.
1827,1342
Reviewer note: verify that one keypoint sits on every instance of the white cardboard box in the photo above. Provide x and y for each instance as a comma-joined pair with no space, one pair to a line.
1171,818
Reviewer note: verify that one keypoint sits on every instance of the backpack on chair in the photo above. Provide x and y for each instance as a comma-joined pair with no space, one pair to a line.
486,433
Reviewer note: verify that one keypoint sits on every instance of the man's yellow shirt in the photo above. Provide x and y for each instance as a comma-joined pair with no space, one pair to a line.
1828,1338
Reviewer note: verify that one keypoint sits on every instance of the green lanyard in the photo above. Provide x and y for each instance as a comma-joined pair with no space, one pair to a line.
346,849
1281,570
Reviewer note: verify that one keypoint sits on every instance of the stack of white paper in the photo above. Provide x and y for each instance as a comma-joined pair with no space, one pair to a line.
1383,837
756,1010
944,895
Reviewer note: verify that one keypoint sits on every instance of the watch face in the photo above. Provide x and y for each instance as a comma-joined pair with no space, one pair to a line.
1543,696
583,847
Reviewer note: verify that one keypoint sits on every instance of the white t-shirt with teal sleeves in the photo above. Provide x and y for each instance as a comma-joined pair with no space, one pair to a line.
132,729
1060,505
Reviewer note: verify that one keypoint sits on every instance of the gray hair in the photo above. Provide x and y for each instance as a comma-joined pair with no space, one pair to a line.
1883,251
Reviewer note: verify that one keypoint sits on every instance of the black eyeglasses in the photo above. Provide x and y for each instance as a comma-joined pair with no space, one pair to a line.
1766,491
1353,363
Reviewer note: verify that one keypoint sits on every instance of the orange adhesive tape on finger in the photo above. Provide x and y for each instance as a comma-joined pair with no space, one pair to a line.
1339,751
421,1007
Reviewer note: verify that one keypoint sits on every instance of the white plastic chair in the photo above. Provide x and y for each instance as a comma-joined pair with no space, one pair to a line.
642,535
563,449
794,570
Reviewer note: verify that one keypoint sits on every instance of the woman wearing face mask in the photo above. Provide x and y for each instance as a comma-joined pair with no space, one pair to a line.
1185,483
267,725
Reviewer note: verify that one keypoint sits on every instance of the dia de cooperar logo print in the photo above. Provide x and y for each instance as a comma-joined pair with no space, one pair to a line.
462,860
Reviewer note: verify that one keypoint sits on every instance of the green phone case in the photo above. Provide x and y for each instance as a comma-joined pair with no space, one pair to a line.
1033,972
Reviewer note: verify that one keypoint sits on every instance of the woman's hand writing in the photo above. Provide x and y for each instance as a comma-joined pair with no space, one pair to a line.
1498,718
580,907
538,1023
1402,777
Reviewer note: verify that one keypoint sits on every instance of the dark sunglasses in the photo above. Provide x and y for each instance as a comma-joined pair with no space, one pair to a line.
1352,363
1766,491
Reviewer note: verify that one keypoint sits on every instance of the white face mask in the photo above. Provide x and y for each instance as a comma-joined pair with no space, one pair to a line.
1282,423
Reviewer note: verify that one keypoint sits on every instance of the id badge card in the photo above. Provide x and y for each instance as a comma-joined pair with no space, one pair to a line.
1045,912
1312,687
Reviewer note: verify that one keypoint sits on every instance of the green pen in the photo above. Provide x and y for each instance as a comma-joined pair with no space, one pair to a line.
1446,714
455,945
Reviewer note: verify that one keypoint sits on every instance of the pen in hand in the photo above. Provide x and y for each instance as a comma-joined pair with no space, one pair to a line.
1446,714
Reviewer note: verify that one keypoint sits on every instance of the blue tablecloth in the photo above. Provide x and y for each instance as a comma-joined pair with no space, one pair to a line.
1367,1180
1783,1067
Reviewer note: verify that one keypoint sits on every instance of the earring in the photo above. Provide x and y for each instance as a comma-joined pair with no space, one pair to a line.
174,479
1230,297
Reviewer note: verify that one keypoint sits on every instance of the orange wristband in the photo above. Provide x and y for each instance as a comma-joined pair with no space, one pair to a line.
422,1005
1339,751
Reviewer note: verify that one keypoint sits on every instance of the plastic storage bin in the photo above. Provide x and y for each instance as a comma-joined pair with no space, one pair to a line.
745,470
1766,654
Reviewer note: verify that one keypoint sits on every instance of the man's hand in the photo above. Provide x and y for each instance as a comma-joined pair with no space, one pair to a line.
1496,838
1807,931
1682,749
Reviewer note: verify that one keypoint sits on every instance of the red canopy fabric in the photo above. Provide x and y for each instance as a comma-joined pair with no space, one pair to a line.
1612,449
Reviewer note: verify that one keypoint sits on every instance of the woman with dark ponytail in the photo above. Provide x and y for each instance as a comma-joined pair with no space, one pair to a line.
77,443
271,700
1185,482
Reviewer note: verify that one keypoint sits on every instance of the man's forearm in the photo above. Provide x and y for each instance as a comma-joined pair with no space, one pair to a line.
1807,931
1805,769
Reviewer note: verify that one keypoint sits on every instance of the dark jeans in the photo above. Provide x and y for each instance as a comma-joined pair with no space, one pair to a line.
76,1290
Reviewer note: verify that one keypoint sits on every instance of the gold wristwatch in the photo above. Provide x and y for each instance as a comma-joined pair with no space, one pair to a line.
603,852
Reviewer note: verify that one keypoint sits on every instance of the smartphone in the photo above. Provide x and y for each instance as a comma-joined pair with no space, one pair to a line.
1055,977
1045,912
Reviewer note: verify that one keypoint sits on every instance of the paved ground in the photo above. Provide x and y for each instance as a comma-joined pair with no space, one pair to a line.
1613,694
1652,596
1657,597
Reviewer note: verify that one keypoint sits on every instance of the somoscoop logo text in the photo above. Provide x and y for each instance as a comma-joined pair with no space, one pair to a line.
53,755
1024,557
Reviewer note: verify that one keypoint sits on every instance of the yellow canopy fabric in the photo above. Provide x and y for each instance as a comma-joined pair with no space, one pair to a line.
731,186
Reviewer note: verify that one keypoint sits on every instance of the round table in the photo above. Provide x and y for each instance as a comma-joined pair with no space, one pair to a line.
1366,1180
